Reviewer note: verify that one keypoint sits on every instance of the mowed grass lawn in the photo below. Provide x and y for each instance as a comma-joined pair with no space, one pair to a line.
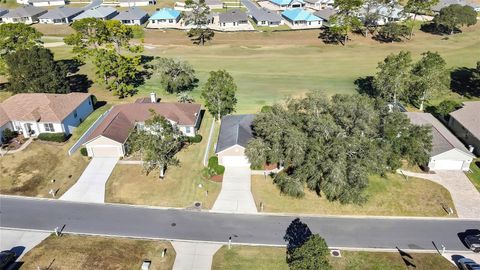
267,258
268,67
31,171
180,187
89,252
474,176
392,196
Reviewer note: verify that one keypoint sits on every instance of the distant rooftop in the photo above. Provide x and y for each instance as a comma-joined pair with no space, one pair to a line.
24,11
133,13
299,14
97,12
469,117
60,13
235,130
234,15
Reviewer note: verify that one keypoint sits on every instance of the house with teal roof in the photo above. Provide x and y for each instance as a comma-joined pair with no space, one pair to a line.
298,18
286,4
165,18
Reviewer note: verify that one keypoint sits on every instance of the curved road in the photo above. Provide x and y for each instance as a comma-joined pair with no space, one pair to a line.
170,224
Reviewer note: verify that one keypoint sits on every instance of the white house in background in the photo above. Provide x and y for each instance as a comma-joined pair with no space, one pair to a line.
2,12
110,137
233,18
103,13
35,113
235,132
287,4
46,3
319,4
132,16
60,15
136,3
448,153
385,13
165,18
25,14
298,18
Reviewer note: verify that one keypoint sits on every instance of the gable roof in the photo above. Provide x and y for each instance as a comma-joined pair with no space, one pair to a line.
97,12
442,139
325,14
298,14
3,11
61,13
234,15
261,14
42,107
24,11
165,14
285,2
469,117
122,118
133,13
235,130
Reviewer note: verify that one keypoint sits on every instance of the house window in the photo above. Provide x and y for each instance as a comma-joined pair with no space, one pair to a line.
188,130
170,21
49,127
75,113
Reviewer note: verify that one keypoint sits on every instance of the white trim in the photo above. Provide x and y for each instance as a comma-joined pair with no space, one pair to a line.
230,148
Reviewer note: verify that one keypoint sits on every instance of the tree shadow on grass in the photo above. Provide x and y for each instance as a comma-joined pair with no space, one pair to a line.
463,83
365,86
72,65
79,83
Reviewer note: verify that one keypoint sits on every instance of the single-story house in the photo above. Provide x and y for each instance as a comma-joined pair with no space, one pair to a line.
33,113
445,3
299,19
103,13
2,12
46,3
325,15
319,4
60,15
385,13
465,124
232,18
110,137
262,16
136,3
165,18
132,16
287,4
235,132
25,14
211,4
448,152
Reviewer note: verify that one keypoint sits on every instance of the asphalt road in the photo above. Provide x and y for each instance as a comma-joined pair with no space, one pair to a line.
130,221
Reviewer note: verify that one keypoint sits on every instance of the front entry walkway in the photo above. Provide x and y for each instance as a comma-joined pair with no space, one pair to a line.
464,194
194,255
91,185
236,194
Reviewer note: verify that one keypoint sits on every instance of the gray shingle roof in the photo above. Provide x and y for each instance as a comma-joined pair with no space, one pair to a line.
234,15
61,13
3,11
325,14
235,130
97,12
25,11
442,139
469,117
261,14
131,14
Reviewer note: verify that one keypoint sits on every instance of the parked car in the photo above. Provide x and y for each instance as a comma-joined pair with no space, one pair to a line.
468,264
6,258
473,242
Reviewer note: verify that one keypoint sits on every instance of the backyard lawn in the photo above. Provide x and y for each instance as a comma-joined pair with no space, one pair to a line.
180,187
88,252
266,258
392,196
474,176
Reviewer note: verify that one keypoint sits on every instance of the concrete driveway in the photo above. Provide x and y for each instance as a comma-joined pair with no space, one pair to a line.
464,194
91,185
236,194
194,255
20,241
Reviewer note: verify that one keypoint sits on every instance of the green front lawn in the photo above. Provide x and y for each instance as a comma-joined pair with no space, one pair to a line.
392,196
266,258
180,187
474,176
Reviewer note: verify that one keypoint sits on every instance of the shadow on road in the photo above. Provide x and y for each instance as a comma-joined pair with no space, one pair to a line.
297,234
466,233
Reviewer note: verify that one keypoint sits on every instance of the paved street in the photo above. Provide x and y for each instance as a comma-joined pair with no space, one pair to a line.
120,220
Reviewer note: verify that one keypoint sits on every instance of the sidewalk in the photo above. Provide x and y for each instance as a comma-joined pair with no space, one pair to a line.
22,147
194,255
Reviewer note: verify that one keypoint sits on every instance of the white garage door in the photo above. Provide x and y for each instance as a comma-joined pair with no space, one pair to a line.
106,151
447,165
235,161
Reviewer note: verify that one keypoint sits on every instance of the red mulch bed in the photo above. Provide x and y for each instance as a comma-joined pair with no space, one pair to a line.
15,143
269,167
217,178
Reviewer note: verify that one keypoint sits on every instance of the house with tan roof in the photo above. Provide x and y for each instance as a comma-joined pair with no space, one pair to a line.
465,123
110,137
33,113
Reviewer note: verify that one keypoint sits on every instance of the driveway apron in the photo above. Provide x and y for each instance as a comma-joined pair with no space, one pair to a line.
236,194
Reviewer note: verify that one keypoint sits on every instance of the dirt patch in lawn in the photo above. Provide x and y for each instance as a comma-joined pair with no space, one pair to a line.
88,252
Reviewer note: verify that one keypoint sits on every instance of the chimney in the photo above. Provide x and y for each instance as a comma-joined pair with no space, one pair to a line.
153,97
470,148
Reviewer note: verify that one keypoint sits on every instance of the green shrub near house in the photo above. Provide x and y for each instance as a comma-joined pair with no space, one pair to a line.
196,139
214,167
52,137
83,151
8,135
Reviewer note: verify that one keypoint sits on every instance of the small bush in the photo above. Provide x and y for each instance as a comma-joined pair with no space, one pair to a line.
52,137
83,151
8,135
266,109
196,139
214,166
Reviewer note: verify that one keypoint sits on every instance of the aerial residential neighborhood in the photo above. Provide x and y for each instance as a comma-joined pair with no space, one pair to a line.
251,134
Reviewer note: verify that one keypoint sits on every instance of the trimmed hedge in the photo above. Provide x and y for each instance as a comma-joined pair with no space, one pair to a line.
196,139
52,137
214,166
83,151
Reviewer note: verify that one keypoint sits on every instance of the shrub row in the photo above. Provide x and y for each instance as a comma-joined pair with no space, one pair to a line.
214,166
196,139
52,137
